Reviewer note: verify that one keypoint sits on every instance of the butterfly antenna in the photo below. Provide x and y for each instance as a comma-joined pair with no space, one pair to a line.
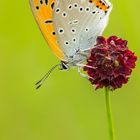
42,80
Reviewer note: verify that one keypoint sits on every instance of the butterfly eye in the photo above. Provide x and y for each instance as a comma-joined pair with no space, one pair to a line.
57,10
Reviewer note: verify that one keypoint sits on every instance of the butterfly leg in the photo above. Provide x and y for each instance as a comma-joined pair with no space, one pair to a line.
85,53
82,74
83,65
88,49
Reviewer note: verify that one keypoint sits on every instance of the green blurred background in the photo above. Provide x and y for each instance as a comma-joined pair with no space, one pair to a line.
67,107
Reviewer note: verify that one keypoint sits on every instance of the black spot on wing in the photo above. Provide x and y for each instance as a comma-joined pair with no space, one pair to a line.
37,7
53,33
41,1
46,1
52,5
48,21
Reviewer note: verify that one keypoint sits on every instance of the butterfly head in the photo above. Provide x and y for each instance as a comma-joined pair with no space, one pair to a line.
64,66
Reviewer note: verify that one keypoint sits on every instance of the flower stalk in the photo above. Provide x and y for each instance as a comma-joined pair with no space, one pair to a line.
110,66
109,114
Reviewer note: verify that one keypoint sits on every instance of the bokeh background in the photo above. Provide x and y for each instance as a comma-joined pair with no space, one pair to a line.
67,107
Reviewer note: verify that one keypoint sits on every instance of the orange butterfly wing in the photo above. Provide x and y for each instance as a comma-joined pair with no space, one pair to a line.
42,11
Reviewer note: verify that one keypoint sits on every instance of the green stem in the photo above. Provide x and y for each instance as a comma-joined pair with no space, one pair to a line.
109,114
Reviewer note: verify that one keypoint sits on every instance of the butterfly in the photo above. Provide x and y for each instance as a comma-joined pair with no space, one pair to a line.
70,28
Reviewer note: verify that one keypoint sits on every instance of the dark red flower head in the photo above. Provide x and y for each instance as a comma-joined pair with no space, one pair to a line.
111,63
